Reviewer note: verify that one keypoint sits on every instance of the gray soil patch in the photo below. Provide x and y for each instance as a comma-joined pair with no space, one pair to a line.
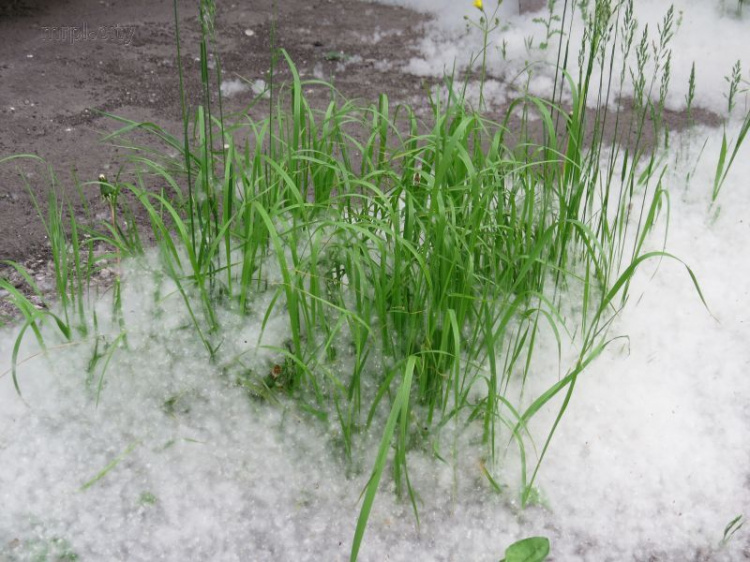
63,64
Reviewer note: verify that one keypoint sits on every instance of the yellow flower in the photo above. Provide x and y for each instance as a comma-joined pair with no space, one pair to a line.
478,4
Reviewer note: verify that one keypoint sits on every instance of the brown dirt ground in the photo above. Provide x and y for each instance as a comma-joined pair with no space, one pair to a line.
53,89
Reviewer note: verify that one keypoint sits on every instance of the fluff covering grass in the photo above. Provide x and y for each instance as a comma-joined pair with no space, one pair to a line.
416,262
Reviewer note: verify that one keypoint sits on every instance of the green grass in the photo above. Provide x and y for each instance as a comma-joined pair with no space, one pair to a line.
446,246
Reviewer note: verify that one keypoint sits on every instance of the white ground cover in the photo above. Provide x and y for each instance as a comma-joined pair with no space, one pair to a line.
651,458
710,33
650,462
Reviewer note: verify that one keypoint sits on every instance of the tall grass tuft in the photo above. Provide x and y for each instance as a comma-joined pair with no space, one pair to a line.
450,242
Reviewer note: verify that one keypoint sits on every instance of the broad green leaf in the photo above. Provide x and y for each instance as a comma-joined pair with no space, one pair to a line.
533,549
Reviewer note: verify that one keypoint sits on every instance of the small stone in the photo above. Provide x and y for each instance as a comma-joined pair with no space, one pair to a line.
249,32
3,293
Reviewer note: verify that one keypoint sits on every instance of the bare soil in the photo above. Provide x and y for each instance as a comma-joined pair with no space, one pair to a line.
54,85
65,63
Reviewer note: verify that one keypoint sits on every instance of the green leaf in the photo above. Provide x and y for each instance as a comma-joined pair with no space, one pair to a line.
400,406
533,549
732,527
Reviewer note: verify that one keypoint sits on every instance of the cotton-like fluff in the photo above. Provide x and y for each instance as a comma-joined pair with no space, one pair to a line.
523,50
